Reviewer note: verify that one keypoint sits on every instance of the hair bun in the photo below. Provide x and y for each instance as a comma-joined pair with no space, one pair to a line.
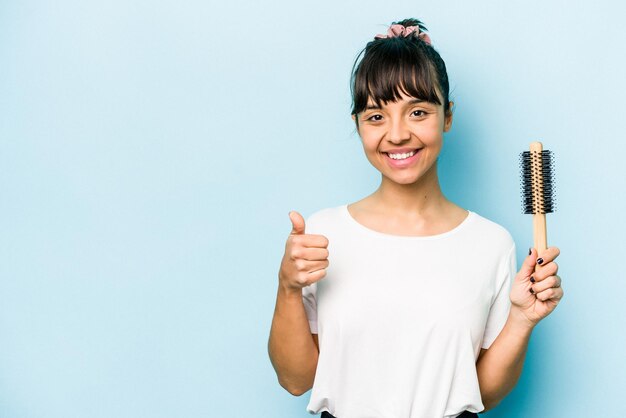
407,28
411,22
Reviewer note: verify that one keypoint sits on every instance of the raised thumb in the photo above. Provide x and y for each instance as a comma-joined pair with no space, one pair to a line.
297,223
528,266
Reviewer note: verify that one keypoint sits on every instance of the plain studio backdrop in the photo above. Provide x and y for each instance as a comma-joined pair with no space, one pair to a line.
151,151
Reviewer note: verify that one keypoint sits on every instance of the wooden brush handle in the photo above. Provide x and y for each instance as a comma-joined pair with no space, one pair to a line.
541,239
539,219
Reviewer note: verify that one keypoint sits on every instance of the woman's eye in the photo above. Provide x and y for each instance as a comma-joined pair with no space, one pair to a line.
419,113
375,118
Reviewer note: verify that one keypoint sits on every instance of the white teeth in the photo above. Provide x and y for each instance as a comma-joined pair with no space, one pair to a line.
401,156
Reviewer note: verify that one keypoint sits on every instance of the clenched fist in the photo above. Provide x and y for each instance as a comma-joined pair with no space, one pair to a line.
306,256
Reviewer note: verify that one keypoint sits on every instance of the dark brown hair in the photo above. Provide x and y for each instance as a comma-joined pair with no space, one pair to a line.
399,64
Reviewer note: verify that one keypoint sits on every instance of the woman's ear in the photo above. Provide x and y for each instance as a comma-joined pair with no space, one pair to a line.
448,119
356,122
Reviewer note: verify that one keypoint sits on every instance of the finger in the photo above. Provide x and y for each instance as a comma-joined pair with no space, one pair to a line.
548,255
316,241
552,293
311,253
297,223
316,275
543,272
548,283
306,266
310,240
528,266
306,278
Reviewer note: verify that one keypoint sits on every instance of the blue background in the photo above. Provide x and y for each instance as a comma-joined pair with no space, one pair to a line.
151,151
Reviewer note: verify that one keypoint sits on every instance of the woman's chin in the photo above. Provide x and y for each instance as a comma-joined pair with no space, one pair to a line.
403,180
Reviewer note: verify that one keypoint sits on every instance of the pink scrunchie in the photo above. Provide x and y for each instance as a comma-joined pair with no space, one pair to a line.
395,31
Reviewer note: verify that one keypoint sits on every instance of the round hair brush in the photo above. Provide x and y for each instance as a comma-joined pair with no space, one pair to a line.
538,189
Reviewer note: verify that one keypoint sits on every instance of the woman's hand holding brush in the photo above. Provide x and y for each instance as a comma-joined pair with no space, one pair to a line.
537,290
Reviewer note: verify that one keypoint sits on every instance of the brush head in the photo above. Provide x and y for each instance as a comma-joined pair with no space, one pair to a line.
537,181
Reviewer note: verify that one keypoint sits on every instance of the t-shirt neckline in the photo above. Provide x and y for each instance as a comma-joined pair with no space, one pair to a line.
354,222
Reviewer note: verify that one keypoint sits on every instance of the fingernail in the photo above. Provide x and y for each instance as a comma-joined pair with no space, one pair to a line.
532,279
539,260
532,291
530,251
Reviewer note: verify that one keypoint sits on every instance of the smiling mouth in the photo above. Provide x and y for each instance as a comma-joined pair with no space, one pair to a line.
402,156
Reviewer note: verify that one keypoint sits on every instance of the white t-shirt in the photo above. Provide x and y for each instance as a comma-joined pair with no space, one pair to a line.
401,319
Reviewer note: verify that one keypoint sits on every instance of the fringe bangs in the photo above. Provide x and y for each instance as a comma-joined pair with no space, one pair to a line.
391,68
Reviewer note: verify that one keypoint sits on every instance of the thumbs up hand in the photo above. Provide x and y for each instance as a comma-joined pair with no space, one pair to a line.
306,256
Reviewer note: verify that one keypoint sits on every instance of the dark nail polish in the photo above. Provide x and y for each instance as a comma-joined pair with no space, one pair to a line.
532,279
539,260
532,291
530,251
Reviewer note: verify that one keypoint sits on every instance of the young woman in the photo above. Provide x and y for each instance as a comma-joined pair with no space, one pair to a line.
403,304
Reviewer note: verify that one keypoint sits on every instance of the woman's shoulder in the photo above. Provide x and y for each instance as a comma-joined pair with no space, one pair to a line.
324,218
488,230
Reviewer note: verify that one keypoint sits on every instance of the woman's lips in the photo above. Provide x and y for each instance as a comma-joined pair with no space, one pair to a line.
402,162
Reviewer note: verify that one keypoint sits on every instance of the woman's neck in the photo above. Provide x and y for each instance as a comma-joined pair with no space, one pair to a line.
423,198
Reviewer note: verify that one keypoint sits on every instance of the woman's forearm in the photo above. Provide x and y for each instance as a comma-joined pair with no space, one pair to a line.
291,347
500,367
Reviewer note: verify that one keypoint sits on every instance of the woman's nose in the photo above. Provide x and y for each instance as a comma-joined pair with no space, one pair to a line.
398,132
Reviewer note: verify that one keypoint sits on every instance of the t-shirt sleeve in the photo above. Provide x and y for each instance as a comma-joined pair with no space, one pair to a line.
310,305
499,311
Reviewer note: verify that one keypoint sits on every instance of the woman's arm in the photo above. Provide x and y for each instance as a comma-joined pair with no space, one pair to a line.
500,367
535,292
292,349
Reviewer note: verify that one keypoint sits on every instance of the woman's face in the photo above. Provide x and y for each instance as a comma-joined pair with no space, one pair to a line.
402,139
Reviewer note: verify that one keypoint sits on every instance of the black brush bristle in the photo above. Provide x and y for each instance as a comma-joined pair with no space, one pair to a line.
537,172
